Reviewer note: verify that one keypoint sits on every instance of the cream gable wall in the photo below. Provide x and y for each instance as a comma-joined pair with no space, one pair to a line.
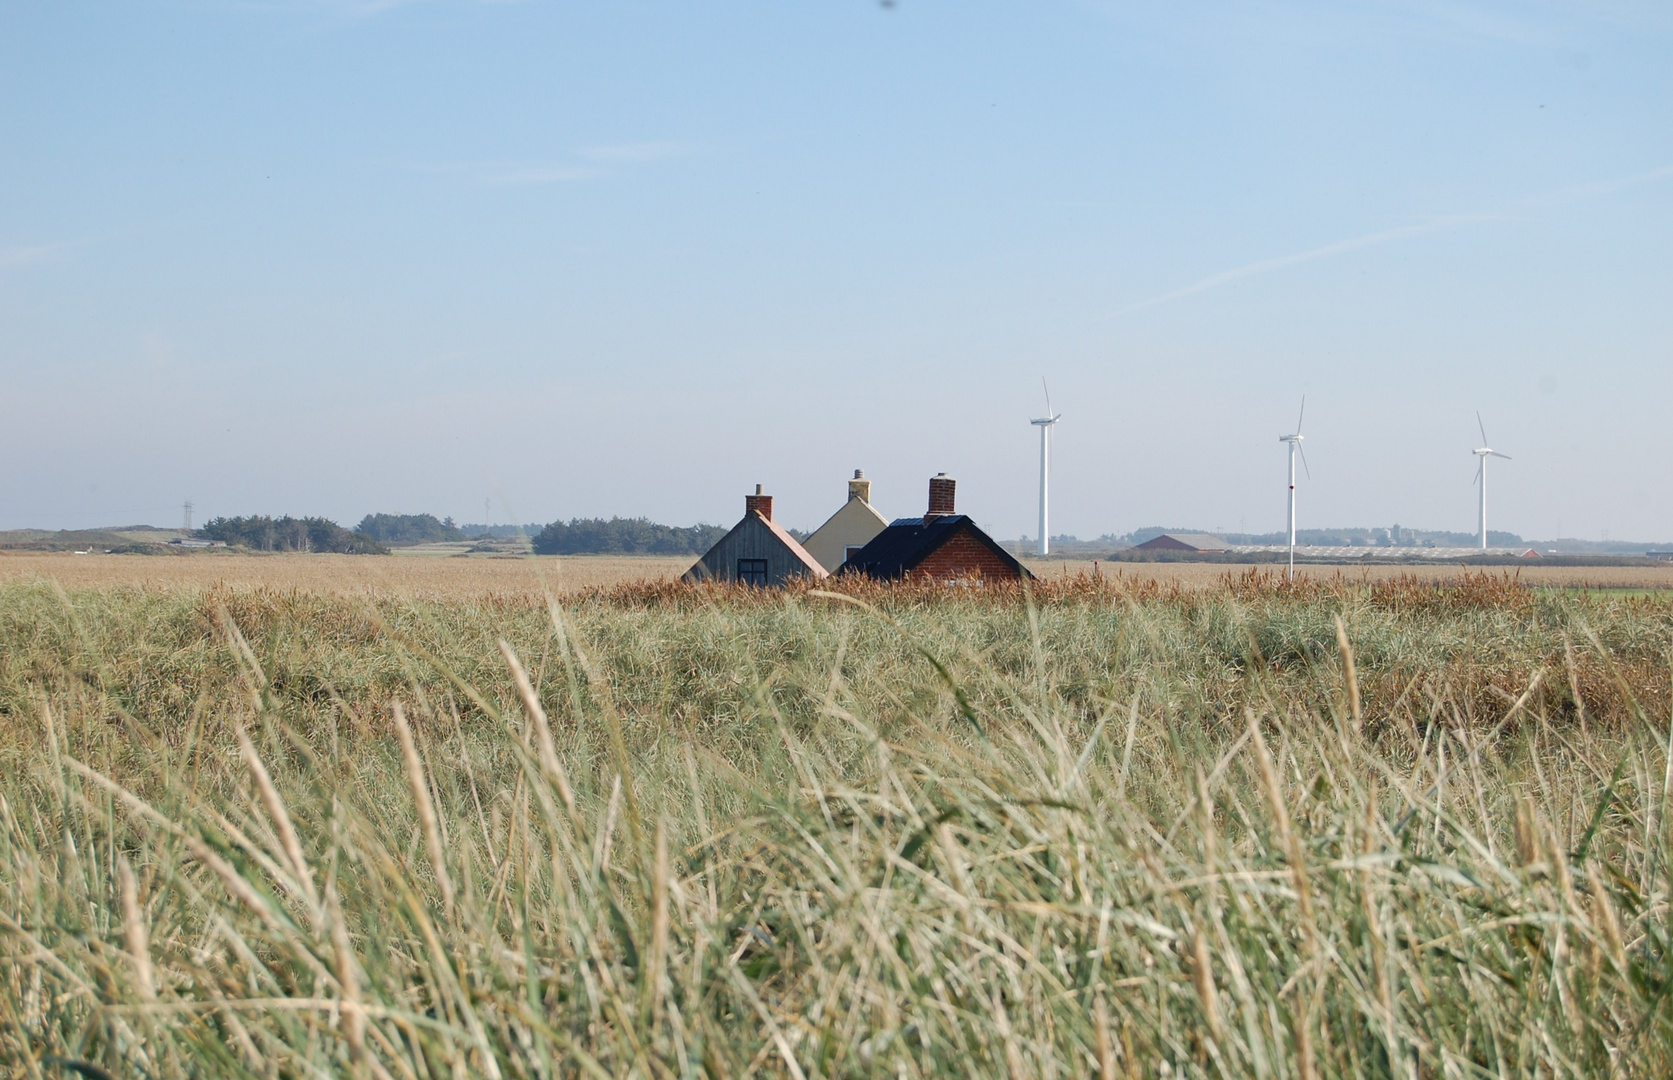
852,526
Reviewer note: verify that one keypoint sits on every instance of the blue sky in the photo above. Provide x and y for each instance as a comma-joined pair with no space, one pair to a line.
334,257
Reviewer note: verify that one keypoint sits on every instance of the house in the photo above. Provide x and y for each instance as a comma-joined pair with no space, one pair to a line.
757,551
1201,543
940,546
849,529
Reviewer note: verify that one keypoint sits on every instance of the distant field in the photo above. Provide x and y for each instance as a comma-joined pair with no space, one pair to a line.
427,574
1204,574
421,576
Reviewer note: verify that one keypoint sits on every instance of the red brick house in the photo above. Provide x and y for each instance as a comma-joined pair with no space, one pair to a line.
940,546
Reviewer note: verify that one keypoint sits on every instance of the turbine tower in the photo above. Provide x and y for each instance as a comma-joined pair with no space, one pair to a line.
1484,452
1045,424
1294,442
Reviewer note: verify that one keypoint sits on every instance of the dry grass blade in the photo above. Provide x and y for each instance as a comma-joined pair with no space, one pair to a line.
420,788
1350,677
543,729
133,929
280,817
1287,839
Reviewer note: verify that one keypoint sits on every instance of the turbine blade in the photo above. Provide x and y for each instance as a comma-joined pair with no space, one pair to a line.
1478,471
1481,426
1505,456
1302,414
1047,389
1304,466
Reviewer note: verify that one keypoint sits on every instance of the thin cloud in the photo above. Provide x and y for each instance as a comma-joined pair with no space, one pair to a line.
513,173
590,163
330,9
16,256
349,8
644,151
532,175
1407,232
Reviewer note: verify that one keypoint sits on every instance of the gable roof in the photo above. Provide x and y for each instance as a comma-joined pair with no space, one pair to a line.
1185,542
701,570
895,551
855,524
795,547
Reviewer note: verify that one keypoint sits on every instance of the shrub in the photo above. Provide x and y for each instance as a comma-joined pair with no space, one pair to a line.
399,530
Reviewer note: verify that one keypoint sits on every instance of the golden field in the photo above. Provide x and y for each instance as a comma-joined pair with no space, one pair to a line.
428,576
339,575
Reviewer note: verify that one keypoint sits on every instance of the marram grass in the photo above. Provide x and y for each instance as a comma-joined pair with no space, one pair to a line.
1343,830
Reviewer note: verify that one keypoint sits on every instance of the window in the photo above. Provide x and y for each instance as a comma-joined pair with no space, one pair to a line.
752,572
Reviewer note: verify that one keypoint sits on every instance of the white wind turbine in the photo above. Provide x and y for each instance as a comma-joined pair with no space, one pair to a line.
1294,442
1045,424
1484,452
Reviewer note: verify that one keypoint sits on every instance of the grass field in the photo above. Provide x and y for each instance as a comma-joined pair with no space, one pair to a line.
343,575
433,823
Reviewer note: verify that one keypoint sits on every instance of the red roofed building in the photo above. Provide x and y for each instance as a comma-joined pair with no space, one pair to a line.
940,546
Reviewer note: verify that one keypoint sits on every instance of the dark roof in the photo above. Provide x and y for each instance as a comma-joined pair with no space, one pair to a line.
896,550
1184,542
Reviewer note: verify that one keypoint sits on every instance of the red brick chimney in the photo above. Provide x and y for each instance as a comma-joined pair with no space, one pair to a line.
759,504
940,496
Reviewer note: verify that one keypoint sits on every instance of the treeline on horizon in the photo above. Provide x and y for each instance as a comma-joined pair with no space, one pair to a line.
377,533
308,534
624,536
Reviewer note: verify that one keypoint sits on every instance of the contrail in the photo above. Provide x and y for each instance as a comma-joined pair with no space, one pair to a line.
1266,266
1406,232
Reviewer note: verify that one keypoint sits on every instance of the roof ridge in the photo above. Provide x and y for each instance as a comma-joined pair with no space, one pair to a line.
794,545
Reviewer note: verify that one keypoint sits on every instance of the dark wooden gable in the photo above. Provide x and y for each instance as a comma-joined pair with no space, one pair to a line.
755,545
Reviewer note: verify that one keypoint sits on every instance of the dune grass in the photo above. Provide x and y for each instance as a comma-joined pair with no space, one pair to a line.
1366,829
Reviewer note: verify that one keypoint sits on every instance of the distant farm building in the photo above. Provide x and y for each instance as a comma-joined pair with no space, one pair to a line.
757,551
849,529
1201,543
940,546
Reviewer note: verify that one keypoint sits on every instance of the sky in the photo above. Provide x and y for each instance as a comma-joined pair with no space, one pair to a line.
337,257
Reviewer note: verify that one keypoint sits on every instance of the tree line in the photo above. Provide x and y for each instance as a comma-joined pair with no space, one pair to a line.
624,536
399,530
261,533
377,533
